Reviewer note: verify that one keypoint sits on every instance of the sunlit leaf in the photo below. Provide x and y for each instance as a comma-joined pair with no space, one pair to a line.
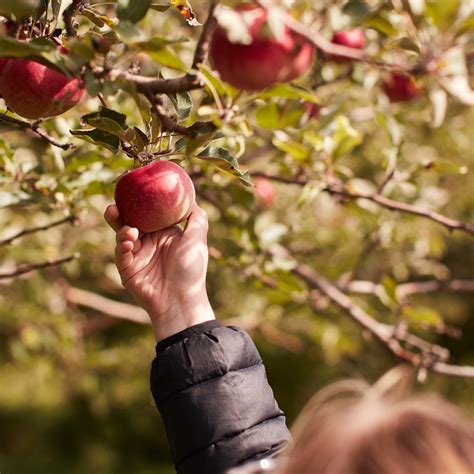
221,158
99,137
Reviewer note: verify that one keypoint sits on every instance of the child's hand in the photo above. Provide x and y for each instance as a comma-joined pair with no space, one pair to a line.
165,271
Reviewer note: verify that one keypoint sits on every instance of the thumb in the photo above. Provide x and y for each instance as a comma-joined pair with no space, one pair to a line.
197,226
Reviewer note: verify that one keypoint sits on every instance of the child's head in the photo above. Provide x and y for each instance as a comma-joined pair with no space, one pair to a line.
351,428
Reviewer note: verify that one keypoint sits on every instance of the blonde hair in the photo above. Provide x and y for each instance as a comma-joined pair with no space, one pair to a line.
352,428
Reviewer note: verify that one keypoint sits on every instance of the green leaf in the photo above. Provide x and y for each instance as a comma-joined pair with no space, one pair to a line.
297,150
158,51
98,19
288,91
390,288
107,120
132,10
273,116
99,137
128,33
8,199
381,24
160,5
346,137
140,139
183,104
221,158
213,81
422,316
357,10
442,12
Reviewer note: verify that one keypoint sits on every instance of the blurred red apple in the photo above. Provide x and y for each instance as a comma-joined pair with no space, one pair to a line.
312,110
155,196
400,87
264,191
351,38
263,62
35,91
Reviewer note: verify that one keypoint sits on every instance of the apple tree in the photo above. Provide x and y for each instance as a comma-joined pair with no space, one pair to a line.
331,144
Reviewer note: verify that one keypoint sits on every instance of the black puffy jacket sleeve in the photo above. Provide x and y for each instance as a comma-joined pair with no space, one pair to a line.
211,389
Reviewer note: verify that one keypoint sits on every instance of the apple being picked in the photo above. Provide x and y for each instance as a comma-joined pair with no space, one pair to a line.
351,38
265,60
33,90
400,88
155,196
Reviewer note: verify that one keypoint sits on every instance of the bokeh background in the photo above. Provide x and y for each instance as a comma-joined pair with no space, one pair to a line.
74,389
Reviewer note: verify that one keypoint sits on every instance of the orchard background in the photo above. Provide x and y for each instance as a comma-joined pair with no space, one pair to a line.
354,251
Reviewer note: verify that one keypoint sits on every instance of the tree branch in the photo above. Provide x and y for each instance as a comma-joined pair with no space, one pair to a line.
188,82
69,14
32,230
332,49
451,224
104,305
405,290
394,338
202,46
30,267
382,201
35,128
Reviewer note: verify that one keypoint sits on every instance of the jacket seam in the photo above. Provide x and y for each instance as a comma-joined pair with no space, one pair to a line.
227,437
202,382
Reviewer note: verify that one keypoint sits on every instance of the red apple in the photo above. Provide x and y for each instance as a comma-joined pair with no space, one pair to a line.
3,62
34,91
264,191
350,38
155,196
400,87
263,62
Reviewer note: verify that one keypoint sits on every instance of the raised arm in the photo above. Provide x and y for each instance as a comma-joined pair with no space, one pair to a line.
208,381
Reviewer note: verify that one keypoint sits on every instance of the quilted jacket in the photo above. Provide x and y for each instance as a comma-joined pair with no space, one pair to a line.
211,389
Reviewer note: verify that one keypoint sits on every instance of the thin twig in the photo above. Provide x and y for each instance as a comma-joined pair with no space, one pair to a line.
387,203
69,14
30,267
35,128
32,230
202,46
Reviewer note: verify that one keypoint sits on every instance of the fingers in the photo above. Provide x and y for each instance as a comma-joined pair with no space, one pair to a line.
197,226
112,217
128,243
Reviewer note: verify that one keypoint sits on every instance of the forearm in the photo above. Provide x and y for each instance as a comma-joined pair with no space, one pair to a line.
181,315
211,389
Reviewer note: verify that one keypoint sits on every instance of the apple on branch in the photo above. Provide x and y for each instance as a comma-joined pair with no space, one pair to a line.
155,196
261,60
33,90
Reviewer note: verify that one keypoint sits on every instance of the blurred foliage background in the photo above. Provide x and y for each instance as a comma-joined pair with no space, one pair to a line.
74,390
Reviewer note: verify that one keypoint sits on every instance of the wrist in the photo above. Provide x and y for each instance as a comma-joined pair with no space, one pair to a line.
181,316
